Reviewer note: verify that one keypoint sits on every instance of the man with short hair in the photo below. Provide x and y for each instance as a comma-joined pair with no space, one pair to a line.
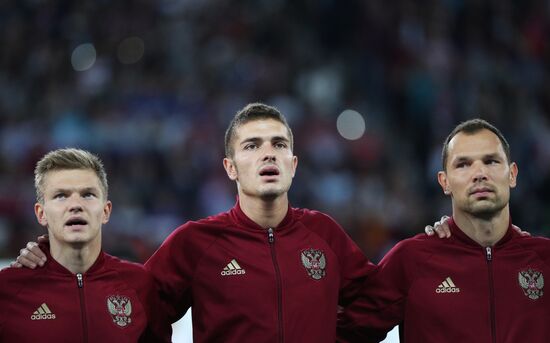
82,294
263,271
485,283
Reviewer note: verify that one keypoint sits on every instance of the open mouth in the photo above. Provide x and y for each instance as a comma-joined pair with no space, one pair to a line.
75,222
269,171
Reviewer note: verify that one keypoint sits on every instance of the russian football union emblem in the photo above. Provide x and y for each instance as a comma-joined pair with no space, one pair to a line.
315,263
120,308
532,283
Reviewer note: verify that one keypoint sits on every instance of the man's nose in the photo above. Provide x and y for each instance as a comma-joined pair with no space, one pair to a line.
269,153
480,172
75,203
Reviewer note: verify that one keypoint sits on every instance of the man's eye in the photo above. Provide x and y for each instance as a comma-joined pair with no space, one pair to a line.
59,196
492,162
89,195
280,145
250,147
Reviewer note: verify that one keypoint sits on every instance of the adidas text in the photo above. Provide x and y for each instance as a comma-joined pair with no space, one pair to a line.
42,316
233,272
448,290
232,268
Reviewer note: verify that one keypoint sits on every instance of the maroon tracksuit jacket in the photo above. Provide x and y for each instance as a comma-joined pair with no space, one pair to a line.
249,284
458,291
111,302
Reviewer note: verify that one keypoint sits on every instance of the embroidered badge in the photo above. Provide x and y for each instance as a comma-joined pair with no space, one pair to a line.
532,283
120,308
315,262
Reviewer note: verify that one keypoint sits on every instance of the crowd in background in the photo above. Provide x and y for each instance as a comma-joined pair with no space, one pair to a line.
165,78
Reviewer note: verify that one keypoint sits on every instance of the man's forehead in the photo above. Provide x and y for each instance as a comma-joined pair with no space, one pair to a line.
478,143
262,128
71,178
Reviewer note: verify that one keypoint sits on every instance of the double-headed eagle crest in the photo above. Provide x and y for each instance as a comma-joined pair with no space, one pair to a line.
532,283
120,308
315,263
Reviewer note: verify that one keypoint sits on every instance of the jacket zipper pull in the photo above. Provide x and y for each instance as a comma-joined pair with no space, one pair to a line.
270,235
79,280
489,253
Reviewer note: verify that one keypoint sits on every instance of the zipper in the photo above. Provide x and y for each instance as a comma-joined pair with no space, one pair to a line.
80,284
271,240
489,255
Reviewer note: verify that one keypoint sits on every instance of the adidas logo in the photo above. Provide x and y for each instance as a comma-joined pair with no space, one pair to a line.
447,286
43,312
232,268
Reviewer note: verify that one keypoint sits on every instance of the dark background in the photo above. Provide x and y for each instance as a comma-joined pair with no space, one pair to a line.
156,83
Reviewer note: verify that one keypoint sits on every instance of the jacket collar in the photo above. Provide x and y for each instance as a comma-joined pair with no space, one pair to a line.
459,235
242,219
53,266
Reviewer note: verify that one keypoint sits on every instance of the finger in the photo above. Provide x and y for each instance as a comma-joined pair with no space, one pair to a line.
28,259
15,264
35,250
43,239
520,231
445,224
443,231
440,229
25,262
429,230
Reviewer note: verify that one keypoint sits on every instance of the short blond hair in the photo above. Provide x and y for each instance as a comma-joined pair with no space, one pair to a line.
66,159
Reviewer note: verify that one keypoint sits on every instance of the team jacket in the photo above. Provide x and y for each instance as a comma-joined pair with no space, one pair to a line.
111,302
454,290
249,284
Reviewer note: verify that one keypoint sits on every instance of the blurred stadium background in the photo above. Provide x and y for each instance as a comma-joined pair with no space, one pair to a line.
371,89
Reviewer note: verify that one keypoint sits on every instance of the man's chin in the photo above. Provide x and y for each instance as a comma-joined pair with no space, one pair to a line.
486,211
271,194
77,242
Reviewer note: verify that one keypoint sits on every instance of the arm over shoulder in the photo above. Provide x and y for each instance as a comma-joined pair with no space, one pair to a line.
173,266
381,303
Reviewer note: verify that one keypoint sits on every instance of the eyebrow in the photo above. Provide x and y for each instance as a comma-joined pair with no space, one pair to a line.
85,189
259,139
484,157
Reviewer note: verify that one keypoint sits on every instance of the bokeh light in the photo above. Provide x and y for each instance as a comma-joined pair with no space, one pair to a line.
83,57
130,50
350,124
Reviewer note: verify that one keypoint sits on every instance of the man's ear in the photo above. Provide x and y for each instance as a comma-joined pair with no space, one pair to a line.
294,165
443,182
230,168
107,209
40,214
513,174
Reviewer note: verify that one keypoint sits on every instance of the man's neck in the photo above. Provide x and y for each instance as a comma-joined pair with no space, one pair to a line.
485,231
267,213
75,259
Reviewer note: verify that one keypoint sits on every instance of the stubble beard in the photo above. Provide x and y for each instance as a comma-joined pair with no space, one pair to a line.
271,194
486,211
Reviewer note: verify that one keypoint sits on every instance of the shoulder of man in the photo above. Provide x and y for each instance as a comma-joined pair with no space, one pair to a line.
12,277
199,233
316,220
408,249
124,266
536,244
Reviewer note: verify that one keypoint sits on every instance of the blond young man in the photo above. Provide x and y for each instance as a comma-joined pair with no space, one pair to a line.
82,294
